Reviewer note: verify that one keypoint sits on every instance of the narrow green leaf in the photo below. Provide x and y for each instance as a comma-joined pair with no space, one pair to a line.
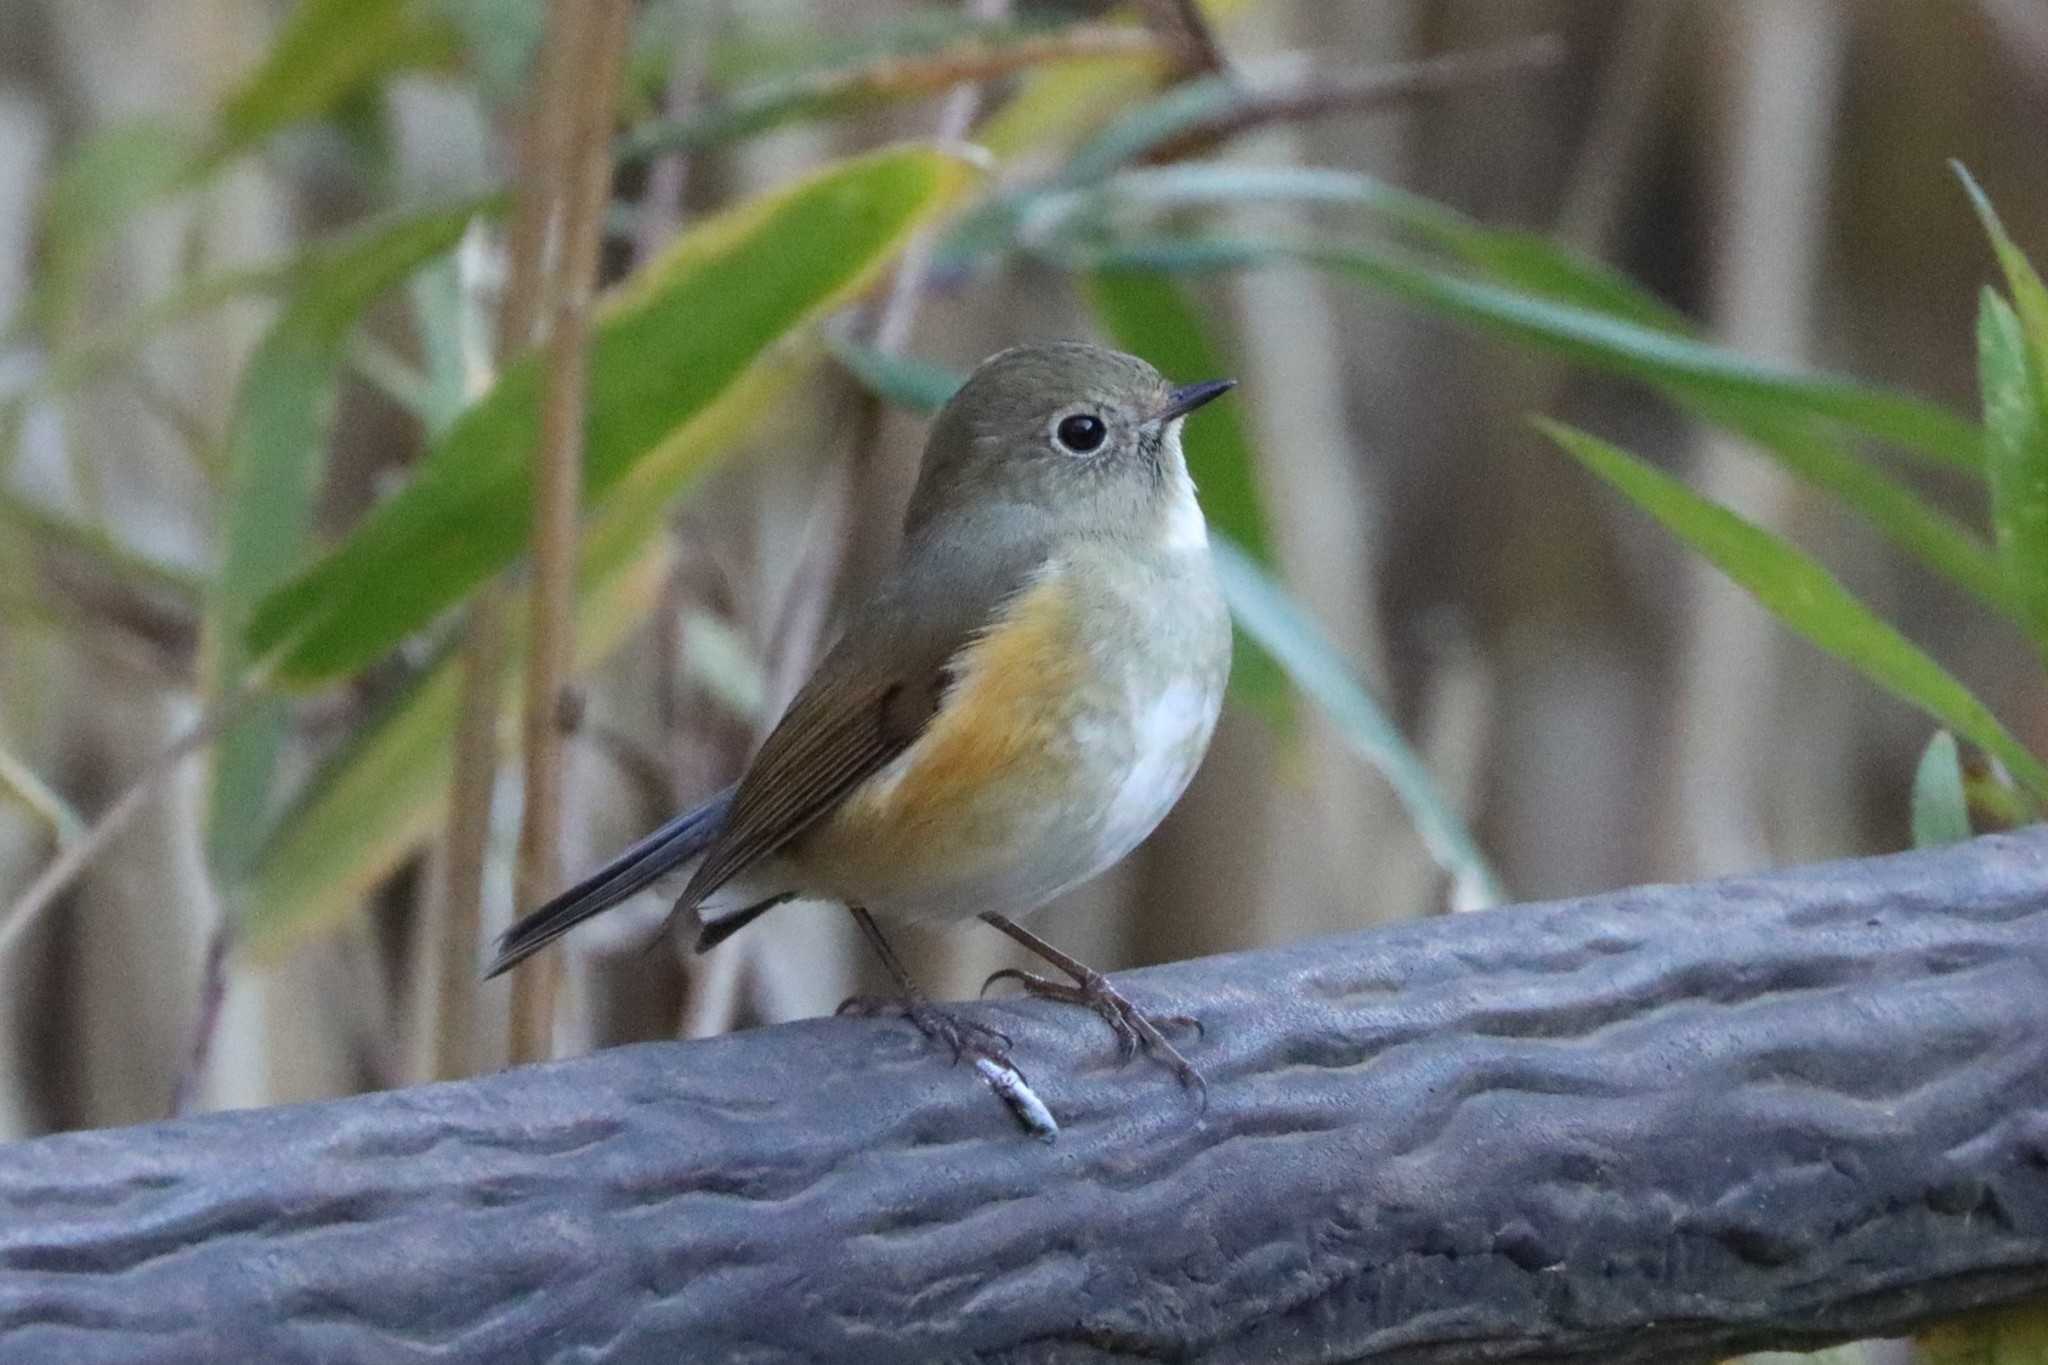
1793,418
277,437
911,384
327,51
1693,369
2016,420
154,577
80,360
386,791
1147,315
1708,371
1816,452
1157,121
1941,810
664,348
1523,260
2029,295
112,175
1270,616
1805,597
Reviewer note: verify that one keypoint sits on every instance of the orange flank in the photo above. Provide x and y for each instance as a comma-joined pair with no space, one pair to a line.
1001,739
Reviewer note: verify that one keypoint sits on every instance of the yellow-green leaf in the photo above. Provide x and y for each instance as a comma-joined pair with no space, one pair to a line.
2016,421
328,50
2029,294
664,349
277,437
386,791
1803,595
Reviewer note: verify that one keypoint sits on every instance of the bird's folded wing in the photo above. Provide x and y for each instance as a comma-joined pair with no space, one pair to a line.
872,696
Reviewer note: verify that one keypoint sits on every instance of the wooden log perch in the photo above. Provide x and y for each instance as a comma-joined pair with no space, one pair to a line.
1663,1125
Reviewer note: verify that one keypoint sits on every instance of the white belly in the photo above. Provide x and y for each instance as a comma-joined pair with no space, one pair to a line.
1059,844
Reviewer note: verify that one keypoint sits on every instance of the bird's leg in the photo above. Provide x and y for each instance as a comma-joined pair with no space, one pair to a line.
964,1036
1091,988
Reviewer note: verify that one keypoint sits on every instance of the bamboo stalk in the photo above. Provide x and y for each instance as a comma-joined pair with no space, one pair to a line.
475,775
585,186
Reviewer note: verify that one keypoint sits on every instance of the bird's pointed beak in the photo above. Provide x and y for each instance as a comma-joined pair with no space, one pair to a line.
1187,398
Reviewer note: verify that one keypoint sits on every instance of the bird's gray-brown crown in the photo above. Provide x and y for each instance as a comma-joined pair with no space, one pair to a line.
1059,425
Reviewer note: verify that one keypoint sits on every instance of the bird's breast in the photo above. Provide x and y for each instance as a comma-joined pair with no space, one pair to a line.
1073,724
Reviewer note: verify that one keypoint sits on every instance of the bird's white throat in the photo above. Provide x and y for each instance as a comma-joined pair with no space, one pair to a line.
1184,527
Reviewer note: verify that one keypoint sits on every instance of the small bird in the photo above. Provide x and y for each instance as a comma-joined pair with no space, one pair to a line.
1019,703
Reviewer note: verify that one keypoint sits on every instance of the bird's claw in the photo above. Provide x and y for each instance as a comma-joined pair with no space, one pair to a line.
1131,1024
964,1036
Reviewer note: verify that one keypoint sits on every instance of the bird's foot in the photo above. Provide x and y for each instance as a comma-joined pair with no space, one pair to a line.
964,1036
1132,1025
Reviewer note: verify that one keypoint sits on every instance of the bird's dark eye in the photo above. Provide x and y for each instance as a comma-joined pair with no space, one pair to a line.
1082,433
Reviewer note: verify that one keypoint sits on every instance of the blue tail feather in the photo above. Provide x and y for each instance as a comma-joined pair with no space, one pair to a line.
639,867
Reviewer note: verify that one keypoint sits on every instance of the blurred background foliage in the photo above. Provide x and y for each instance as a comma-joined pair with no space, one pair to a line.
268,449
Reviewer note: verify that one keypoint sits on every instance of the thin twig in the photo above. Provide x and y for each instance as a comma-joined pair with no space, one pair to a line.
1322,93
558,477
64,869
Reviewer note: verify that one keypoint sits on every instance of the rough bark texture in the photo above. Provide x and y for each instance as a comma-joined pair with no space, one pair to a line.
1661,1125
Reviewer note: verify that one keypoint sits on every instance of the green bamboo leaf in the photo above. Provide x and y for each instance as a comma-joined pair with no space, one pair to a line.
178,587
112,175
386,791
1817,453
2029,295
1159,120
327,52
1524,260
277,438
1941,808
911,384
1147,315
663,350
1270,616
1794,418
1689,368
1805,597
2016,418
1693,367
